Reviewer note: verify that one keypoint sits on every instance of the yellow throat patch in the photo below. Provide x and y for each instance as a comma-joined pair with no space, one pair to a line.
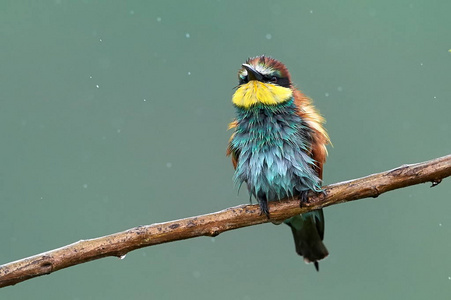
255,92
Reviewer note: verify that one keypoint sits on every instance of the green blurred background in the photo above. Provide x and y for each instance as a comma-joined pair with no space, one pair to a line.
114,115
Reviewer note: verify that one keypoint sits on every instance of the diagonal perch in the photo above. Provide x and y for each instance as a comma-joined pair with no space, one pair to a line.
119,244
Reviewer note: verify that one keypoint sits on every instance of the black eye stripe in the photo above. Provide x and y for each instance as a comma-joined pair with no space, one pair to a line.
282,81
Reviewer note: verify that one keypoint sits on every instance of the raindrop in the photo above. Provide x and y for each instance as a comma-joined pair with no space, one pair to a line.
196,274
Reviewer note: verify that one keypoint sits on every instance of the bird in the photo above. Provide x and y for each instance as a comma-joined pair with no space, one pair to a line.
278,147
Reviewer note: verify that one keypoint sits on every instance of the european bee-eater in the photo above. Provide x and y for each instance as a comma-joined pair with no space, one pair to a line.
278,147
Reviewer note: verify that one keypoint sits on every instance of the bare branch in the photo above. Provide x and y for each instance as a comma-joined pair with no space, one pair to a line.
119,244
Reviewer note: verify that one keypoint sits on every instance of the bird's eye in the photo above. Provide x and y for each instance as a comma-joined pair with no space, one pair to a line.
274,79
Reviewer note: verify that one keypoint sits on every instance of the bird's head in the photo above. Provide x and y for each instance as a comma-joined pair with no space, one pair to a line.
262,80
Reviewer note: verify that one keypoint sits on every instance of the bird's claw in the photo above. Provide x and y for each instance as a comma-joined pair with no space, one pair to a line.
264,212
303,196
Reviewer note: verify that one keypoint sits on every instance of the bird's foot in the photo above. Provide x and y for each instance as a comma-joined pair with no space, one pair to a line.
263,206
264,211
303,196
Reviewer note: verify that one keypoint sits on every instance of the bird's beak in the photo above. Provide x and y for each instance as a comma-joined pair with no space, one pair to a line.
252,73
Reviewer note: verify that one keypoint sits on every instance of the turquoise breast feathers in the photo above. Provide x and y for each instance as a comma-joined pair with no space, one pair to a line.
273,142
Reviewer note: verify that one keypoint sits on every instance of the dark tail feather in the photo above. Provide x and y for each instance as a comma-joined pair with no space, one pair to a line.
316,265
308,234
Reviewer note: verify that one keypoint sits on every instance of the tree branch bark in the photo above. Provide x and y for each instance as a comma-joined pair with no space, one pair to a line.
119,244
